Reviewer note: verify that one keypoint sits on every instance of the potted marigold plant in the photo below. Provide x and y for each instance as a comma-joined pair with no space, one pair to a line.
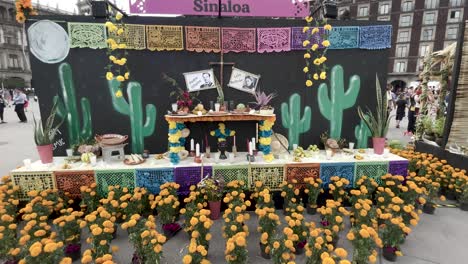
283,247
332,219
44,136
8,234
46,251
392,233
214,192
367,186
134,203
89,198
431,193
363,213
101,225
316,245
296,223
289,193
200,225
196,253
337,188
364,239
235,216
69,227
236,249
268,222
462,190
167,203
312,189
339,255
194,202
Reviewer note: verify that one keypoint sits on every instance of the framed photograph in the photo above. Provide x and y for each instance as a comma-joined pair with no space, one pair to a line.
200,80
244,81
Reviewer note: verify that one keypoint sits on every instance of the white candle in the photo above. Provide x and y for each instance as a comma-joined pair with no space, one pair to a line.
192,144
175,107
197,152
217,107
253,143
234,140
250,148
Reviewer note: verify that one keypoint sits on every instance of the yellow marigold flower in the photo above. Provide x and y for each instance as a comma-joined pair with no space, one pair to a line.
315,47
305,43
323,75
120,78
306,69
340,252
51,247
127,75
305,29
350,236
118,16
309,83
40,233
120,31
316,77
309,19
327,27
328,260
109,76
35,251
187,259
307,56
326,43
276,245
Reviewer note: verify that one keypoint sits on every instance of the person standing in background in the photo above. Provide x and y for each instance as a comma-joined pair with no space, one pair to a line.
19,99
411,113
390,99
2,108
401,107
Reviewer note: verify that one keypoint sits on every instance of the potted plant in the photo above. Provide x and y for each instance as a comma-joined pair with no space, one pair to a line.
297,224
338,188
214,191
364,240
44,136
439,130
392,234
236,249
101,226
312,189
289,193
268,221
316,245
89,198
378,123
332,219
428,126
194,202
167,203
262,103
431,193
283,247
69,227
462,191
196,253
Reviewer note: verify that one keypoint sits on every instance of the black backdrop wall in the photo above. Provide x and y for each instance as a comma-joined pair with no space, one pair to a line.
280,73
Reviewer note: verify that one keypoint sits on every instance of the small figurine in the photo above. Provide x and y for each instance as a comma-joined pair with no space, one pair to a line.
222,133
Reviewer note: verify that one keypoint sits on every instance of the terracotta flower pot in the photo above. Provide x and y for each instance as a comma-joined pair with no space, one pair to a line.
215,208
46,153
379,145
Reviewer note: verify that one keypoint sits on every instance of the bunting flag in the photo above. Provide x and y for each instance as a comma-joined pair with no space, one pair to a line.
87,35
375,37
164,37
298,36
238,40
134,36
344,38
274,39
207,39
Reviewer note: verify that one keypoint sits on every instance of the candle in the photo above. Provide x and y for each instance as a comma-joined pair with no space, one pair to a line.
192,144
197,152
256,133
234,141
253,143
251,148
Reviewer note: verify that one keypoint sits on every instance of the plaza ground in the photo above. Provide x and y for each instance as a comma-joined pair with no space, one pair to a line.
440,238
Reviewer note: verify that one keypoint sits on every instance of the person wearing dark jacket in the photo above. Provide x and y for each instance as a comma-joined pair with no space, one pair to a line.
401,109
2,108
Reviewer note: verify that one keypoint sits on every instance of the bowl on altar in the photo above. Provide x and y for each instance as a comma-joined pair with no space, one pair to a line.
110,139
183,154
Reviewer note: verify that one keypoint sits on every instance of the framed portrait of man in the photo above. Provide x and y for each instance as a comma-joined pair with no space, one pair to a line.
200,80
243,81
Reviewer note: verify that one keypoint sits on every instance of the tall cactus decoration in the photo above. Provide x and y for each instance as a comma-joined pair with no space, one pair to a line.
134,109
291,118
67,108
332,106
362,134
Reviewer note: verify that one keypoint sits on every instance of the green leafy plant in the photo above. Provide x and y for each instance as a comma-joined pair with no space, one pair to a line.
439,126
377,123
44,135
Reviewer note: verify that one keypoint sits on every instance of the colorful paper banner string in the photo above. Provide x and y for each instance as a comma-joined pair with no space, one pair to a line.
164,37
298,36
238,39
375,37
273,39
199,39
87,35
344,38
134,37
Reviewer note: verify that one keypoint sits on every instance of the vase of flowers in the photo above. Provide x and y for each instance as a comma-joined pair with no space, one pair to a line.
185,100
214,191
378,123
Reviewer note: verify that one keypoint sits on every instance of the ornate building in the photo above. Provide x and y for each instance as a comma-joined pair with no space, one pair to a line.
14,56
419,27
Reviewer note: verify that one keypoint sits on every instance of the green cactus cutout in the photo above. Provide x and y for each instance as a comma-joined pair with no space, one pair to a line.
291,118
134,109
67,108
362,134
332,105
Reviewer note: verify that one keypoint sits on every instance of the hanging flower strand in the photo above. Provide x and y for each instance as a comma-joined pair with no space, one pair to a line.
315,56
117,67
24,9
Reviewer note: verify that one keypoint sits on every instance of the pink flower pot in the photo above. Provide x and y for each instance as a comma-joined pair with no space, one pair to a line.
46,153
215,208
379,145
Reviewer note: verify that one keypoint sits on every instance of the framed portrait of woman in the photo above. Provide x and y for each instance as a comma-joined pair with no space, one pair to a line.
243,81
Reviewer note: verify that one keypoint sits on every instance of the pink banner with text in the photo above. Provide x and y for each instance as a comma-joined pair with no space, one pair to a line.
250,8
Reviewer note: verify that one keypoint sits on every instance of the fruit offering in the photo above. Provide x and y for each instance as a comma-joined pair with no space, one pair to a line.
313,148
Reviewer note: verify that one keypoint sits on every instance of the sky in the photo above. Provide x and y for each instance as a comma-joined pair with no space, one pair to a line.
70,5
